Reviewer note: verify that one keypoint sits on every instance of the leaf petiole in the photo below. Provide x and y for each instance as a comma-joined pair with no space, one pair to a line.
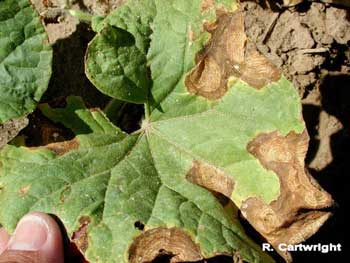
147,111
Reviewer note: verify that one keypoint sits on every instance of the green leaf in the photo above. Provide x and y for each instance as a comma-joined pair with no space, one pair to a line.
116,59
220,121
25,59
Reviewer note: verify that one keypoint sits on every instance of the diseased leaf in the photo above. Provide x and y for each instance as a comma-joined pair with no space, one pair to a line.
220,120
25,59
106,181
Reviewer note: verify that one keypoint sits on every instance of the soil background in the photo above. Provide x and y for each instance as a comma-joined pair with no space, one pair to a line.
309,42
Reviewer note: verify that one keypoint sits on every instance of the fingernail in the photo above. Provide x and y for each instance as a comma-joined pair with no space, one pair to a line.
30,235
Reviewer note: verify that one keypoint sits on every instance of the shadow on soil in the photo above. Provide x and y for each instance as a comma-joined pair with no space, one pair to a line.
335,93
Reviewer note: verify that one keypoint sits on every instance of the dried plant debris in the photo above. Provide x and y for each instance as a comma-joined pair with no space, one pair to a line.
220,119
10,130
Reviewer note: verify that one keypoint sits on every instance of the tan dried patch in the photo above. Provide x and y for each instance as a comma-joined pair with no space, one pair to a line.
60,148
24,190
284,220
191,36
81,237
228,53
206,5
47,3
174,241
211,178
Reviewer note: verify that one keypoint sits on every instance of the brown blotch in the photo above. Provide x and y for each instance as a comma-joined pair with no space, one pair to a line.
228,53
211,178
191,36
24,190
81,237
60,148
172,241
293,216
47,3
63,193
207,4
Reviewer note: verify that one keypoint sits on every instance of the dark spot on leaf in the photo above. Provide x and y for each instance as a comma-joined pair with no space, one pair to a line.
139,225
65,192
47,3
80,237
228,53
24,190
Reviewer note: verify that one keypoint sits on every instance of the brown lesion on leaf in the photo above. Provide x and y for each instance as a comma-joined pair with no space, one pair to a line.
172,241
190,35
211,178
24,190
207,4
228,53
294,216
60,148
81,237
65,192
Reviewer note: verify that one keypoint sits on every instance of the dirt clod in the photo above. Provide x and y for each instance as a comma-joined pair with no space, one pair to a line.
301,40
10,129
338,24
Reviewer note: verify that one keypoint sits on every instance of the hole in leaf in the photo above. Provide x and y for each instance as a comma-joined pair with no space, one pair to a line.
139,225
163,257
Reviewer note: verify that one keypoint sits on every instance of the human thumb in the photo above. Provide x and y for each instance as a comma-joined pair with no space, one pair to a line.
37,239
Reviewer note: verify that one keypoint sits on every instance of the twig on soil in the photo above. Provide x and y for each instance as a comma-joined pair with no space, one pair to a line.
313,50
270,27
